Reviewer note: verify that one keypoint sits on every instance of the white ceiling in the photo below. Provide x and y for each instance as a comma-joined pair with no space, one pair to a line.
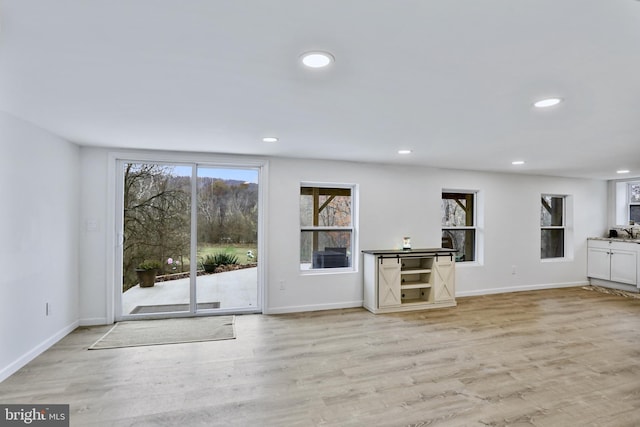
452,80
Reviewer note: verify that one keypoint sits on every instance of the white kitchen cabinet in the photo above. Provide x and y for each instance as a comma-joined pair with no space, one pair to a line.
409,279
612,262
624,267
599,262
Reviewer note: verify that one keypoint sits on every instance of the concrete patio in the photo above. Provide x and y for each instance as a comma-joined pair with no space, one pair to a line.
232,289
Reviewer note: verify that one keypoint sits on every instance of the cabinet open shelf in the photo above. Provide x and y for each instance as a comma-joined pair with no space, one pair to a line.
414,285
415,271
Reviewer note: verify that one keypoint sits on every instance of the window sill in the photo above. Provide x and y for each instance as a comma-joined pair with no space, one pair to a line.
320,271
551,260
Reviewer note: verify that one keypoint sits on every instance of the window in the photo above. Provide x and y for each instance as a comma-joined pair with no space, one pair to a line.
326,227
634,202
552,226
459,224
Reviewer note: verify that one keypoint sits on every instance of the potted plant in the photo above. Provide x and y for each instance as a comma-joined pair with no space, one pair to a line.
147,271
209,263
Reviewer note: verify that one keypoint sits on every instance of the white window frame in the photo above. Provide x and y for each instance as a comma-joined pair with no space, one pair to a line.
629,201
475,227
353,229
562,227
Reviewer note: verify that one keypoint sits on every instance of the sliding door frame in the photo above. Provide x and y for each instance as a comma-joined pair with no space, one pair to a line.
115,184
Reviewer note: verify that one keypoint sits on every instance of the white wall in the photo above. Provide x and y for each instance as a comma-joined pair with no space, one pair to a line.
512,231
619,201
394,201
398,201
39,175
96,298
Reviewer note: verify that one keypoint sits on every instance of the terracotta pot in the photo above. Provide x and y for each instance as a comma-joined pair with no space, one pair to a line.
146,278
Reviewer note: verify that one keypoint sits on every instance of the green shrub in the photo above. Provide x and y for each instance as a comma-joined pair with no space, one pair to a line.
150,264
221,258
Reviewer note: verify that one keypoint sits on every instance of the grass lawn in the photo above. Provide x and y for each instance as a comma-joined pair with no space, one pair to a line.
239,250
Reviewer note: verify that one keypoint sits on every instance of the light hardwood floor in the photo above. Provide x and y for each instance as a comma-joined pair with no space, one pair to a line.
564,357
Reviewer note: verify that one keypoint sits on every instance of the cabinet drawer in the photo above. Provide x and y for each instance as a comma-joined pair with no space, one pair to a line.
602,244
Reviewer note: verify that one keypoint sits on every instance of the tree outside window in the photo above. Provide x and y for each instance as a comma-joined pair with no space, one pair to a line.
459,224
552,225
634,202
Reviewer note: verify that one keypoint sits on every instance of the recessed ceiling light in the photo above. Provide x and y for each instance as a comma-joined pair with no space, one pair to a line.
270,139
317,59
623,171
518,162
548,102
404,151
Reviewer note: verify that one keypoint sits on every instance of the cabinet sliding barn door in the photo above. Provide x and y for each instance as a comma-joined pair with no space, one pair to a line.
445,279
389,282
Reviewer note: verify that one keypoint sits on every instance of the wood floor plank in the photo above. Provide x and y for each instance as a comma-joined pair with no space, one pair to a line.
543,358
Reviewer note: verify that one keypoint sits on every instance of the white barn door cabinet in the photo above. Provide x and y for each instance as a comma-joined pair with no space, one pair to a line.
403,280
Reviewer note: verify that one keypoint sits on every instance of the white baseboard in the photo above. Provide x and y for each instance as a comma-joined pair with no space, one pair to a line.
314,307
459,294
94,321
519,289
15,366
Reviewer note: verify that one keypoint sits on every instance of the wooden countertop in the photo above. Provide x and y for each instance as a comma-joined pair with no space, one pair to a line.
409,251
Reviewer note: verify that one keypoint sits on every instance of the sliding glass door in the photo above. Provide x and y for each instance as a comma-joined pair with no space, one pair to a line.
156,249
189,239
227,237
